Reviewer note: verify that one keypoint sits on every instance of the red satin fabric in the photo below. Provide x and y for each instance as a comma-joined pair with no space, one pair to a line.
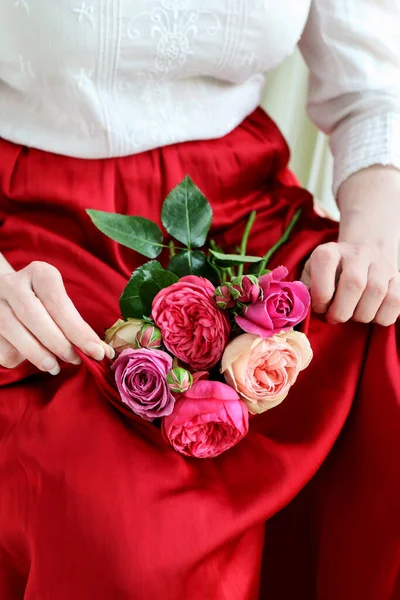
95,505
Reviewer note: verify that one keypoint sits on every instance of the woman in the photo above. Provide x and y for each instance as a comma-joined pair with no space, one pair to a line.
108,105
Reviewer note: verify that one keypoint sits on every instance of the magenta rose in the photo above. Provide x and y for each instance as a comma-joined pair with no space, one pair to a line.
141,377
193,328
207,420
284,304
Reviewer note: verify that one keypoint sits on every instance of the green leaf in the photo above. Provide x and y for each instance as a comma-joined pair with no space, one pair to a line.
231,260
137,233
150,288
192,263
130,302
187,215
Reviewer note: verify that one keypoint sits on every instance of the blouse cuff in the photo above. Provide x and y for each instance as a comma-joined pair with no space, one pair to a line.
365,141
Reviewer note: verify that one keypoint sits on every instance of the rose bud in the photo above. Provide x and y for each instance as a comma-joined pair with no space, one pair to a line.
225,297
179,380
122,335
247,288
149,337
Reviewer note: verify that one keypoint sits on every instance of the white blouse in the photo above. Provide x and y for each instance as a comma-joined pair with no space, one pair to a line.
103,78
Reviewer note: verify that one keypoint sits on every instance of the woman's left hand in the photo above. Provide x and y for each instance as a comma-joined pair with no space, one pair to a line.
358,277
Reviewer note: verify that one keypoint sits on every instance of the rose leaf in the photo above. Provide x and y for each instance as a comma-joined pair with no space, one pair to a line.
139,234
187,215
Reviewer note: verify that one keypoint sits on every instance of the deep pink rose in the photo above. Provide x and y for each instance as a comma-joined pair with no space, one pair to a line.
141,377
284,305
193,328
207,420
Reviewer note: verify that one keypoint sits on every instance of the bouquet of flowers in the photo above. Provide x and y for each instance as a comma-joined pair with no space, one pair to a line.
210,340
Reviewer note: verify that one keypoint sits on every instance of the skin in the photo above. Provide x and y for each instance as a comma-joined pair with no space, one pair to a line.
355,278
39,322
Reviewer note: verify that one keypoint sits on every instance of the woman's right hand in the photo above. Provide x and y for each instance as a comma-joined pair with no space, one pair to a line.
39,322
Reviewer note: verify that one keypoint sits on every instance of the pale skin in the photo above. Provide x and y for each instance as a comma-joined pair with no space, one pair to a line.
356,278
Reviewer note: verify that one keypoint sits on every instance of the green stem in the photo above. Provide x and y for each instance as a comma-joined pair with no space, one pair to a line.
217,271
172,249
245,239
223,275
229,271
214,246
267,257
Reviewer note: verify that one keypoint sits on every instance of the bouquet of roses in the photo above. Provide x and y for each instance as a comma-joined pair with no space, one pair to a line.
211,338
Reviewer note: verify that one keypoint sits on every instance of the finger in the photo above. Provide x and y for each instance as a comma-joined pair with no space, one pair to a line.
22,340
352,283
9,356
390,309
306,274
48,286
373,296
32,314
324,264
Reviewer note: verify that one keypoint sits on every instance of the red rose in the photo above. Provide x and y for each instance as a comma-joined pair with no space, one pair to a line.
193,328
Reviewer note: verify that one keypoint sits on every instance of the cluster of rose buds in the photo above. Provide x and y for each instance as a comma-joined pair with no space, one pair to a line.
244,289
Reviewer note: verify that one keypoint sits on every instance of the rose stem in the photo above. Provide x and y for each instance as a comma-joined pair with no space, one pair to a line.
280,242
172,249
245,239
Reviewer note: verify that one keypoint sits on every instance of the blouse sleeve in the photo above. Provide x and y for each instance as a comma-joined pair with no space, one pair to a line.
352,48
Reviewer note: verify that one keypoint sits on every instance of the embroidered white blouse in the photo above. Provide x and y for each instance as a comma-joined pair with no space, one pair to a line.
103,78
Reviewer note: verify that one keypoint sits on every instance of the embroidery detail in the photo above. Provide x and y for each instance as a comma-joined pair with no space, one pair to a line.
85,12
176,26
175,33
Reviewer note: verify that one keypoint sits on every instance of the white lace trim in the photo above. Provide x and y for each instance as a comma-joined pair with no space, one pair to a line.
365,141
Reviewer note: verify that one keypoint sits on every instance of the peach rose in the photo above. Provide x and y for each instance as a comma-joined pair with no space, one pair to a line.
262,370
122,335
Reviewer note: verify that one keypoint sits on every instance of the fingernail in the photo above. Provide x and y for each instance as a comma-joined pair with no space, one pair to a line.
110,352
95,350
51,365
72,357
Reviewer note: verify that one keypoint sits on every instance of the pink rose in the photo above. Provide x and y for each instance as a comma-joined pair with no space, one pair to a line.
208,419
262,371
284,305
193,328
141,378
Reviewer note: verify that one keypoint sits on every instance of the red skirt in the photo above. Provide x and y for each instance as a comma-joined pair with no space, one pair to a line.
95,505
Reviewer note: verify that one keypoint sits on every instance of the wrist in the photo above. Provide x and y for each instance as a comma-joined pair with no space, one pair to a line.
369,203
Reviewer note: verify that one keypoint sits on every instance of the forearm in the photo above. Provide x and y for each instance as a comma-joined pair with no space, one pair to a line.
5,266
369,203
